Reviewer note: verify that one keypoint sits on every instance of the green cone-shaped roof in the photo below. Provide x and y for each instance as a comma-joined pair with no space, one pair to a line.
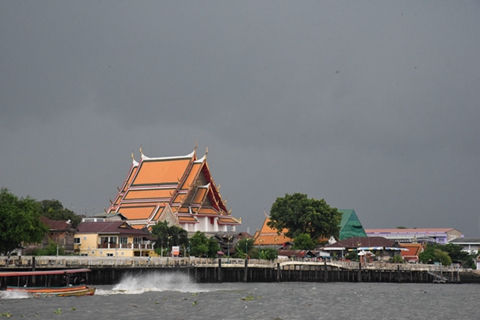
350,226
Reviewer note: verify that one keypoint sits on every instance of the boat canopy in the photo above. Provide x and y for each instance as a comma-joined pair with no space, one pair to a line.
41,273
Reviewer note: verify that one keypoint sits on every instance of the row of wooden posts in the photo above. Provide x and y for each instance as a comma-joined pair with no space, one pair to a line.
241,271
291,273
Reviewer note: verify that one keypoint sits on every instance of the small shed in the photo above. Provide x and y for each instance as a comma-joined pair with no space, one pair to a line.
296,254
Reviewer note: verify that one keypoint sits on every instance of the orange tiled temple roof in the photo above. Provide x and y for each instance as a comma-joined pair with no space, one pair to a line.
268,236
183,184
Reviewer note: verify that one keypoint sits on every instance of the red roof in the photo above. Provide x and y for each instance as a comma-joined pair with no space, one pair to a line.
55,224
111,227
295,253
414,249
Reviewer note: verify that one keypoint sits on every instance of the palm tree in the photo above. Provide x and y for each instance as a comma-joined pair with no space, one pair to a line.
169,235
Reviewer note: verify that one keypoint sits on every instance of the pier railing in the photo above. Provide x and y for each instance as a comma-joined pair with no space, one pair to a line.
49,262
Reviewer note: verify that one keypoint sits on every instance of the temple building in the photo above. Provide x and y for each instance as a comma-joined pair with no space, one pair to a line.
179,190
268,236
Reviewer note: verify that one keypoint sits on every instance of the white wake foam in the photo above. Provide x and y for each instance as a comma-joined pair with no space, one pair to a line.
144,283
14,295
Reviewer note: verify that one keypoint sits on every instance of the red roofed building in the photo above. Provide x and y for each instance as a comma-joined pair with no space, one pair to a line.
268,236
61,232
412,252
112,239
179,189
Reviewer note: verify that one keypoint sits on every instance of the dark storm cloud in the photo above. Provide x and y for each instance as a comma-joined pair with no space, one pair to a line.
372,106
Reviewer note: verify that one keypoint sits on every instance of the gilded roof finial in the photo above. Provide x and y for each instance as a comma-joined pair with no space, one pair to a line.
196,145
141,152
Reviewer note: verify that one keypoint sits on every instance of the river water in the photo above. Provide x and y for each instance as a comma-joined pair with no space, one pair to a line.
173,296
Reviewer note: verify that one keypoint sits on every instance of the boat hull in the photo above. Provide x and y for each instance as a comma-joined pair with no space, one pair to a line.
74,291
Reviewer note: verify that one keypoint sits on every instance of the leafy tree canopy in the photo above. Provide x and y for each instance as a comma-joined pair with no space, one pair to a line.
435,253
245,248
303,242
19,222
454,252
53,209
201,246
50,250
268,254
301,215
168,236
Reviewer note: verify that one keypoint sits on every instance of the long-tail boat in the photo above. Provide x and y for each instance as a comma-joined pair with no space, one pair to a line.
61,283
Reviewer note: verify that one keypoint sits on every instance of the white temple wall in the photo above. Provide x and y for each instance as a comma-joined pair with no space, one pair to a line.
205,226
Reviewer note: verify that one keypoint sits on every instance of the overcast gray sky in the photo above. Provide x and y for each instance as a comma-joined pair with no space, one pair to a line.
370,105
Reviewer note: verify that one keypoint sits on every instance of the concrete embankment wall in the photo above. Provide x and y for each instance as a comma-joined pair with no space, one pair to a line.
263,274
110,276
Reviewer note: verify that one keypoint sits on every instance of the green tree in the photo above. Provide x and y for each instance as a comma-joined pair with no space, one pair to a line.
442,257
19,222
49,250
168,236
397,259
201,246
213,247
244,248
299,214
434,253
268,254
455,252
53,209
303,242
179,236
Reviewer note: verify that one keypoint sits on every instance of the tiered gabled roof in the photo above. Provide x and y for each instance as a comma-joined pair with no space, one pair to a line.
268,236
165,187
412,252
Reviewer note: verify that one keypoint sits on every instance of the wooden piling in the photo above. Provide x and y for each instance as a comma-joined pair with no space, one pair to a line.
219,279
245,272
